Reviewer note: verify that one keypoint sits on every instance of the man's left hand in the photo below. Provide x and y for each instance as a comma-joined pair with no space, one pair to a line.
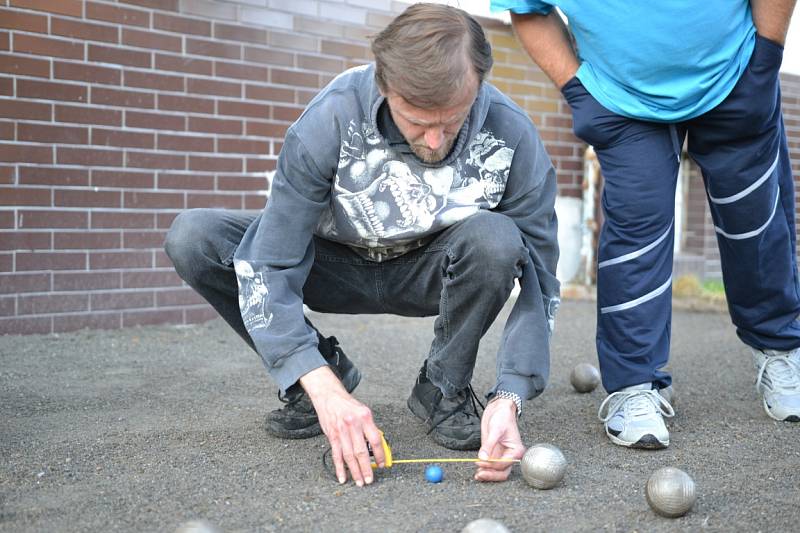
499,440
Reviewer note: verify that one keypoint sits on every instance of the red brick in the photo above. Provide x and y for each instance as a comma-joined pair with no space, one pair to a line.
276,147
185,103
151,39
150,318
89,156
26,153
52,218
19,20
163,5
84,31
200,315
52,303
290,77
71,8
8,305
32,44
52,134
263,92
220,88
119,15
85,72
242,146
236,70
164,219
143,239
203,47
303,97
50,261
153,200
230,32
215,164
121,178
116,97
6,130
161,259
5,41
242,183
186,181
25,240
123,219
122,138
348,50
266,129
73,322
154,160
104,301
150,278
242,109
86,198
39,175
215,125
26,326
184,64
177,297
324,64
260,165
114,260
228,201
156,121
150,80
6,86
268,56
25,66
121,56
86,240
181,24
255,201
288,114
6,221
185,143
80,281
88,115
19,283
51,91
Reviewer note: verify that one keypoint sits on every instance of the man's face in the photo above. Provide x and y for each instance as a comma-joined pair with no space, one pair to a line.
431,132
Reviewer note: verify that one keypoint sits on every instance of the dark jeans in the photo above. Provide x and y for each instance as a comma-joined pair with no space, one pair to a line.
465,275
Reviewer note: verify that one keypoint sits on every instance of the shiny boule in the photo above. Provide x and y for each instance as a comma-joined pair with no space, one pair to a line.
584,377
670,492
485,525
543,466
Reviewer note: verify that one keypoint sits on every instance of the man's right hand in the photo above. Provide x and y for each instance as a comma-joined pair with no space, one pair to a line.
347,423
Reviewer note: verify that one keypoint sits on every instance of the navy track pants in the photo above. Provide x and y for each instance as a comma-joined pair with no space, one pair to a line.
741,148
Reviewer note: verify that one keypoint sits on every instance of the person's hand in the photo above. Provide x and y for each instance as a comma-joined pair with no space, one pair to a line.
347,423
499,440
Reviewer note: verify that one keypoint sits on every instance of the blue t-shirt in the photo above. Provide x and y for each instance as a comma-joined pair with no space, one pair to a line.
661,61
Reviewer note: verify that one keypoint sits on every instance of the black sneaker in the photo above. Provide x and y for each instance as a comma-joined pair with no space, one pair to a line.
452,422
298,419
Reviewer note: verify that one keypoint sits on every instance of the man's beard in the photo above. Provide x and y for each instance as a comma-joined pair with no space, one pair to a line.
433,156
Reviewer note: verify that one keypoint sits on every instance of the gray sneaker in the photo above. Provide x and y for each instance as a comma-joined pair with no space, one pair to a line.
298,419
778,382
634,417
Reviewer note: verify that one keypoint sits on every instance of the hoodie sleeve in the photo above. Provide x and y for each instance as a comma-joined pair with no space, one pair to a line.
523,361
276,253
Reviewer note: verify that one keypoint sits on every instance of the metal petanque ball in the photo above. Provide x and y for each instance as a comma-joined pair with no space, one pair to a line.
584,377
485,525
543,466
670,492
196,526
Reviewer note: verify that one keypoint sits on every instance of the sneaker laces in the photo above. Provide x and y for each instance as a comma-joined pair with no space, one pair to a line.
638,404
783,375
461,408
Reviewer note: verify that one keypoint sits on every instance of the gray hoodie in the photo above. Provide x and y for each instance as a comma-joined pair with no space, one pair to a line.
343,179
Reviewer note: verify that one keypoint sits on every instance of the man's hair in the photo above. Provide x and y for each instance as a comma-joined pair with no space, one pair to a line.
426,53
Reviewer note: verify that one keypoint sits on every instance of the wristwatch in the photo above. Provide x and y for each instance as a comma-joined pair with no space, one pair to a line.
513,396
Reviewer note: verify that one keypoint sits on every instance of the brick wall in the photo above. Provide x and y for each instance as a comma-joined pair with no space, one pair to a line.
117,115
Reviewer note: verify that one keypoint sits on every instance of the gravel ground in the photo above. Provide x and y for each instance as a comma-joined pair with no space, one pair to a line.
144,429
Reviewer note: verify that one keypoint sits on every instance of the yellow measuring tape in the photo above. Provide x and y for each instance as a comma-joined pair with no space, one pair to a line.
389,462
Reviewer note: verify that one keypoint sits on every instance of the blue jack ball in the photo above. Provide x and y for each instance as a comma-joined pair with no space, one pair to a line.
434,474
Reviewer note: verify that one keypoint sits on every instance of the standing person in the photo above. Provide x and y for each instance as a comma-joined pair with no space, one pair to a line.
645,77
409,186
